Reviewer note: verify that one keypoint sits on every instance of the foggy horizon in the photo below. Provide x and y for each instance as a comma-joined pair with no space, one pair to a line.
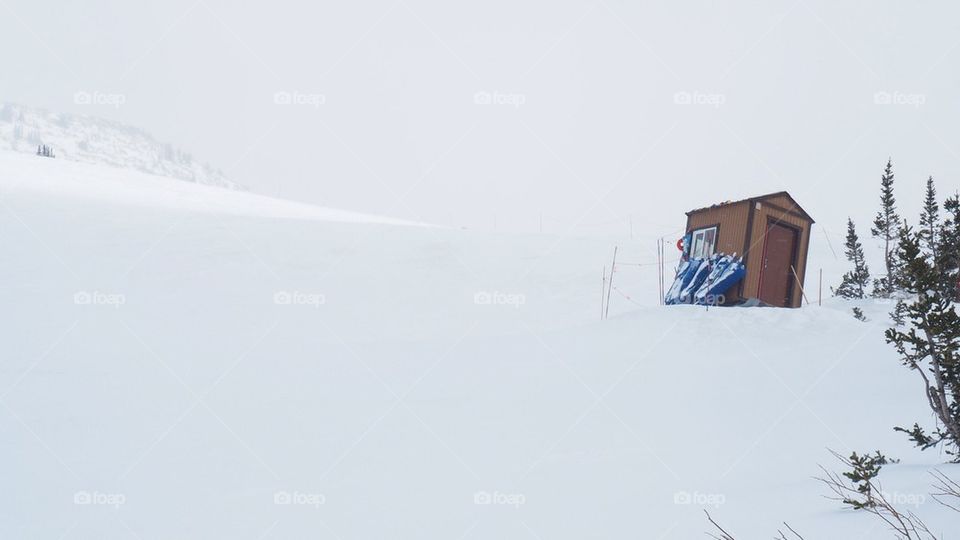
586,121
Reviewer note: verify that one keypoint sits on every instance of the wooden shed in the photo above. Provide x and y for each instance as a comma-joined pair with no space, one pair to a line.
771,232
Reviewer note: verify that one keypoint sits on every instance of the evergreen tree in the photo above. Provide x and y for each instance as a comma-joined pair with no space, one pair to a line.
854,282
863,469
899,313
930,345
948,256
886,226
930,218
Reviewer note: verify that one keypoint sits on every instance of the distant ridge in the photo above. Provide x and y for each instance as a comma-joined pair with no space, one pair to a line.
94,140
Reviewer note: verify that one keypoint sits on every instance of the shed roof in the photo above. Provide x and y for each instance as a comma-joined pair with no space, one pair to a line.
758,198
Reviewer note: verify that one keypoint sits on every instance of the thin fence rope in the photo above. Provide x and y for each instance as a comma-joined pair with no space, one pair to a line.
625,295
647,264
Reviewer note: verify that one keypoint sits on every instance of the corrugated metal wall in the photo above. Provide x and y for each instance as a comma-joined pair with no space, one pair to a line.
732,222
731,234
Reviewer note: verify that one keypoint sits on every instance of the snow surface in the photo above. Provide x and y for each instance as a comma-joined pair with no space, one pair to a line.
183,358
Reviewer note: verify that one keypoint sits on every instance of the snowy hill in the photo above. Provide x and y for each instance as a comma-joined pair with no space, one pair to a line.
187,362
94,140
95,184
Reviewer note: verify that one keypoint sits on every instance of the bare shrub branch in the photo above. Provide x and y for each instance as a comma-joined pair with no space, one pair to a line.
946,489
724,535
906,525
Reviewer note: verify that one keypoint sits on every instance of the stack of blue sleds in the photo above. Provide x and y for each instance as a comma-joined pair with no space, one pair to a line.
705,281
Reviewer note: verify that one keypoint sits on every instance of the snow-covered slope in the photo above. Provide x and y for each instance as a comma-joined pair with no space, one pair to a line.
30,175
95,140
175,372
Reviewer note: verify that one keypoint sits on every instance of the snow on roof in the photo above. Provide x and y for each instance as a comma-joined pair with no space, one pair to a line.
756,199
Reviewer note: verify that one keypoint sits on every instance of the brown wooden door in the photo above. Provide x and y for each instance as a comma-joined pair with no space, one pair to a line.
776,279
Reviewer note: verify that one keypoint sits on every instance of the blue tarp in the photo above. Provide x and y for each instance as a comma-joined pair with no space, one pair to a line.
684,274
705,281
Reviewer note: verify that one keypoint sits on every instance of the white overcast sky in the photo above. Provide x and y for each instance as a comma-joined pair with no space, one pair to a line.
784,98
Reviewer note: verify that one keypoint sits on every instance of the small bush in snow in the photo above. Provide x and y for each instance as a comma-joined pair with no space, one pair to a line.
863,469
860,488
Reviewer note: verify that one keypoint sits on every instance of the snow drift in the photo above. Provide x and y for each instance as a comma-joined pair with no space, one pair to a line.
183,362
